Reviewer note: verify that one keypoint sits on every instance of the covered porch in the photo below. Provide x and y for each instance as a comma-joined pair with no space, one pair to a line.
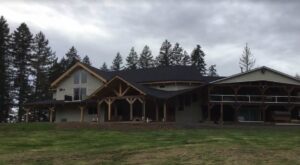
259,101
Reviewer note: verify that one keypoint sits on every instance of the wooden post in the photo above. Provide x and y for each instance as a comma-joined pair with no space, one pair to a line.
81,113
51,110
144,109
209,112
131,111
165,111
98,110
27,113
221,114
156,111
131,101
109,101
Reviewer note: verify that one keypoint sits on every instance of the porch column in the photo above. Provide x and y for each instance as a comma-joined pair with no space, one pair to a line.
27,113
144,109
98,110
51,110
221,114
109,102
131,101
81,113
165,111
209,112
156,111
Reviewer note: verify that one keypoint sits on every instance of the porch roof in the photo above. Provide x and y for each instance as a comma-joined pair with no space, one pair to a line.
57,102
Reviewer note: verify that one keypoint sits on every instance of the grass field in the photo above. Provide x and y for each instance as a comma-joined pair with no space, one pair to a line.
48,144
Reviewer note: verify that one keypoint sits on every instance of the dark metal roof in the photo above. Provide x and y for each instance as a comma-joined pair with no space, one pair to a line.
157,74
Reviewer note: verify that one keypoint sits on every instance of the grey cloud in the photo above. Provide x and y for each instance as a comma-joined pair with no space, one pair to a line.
222,28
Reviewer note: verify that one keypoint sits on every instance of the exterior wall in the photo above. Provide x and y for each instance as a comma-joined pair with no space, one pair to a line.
67,114
172,87
67,85
261,76
190,114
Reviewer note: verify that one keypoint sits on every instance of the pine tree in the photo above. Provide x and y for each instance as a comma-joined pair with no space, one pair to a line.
43,60
132,60
57,69
247,60
5,71
165,53
22,56
186,60
86,60
72,57
146,58
212,71
197,59
177,55
104,67
117,63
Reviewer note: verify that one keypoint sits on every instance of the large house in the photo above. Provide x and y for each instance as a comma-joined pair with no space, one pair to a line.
171,94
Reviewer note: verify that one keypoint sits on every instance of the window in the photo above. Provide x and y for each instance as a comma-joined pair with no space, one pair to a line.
79,93
83,77
76,78
80,77
76,93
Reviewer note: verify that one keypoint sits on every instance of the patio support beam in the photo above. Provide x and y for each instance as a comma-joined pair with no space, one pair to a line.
221,114
156,111
98,110
144,109
51,110
165,111
27,114
81,113
131,101
109,101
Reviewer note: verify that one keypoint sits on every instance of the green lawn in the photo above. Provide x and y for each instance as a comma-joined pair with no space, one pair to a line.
48,144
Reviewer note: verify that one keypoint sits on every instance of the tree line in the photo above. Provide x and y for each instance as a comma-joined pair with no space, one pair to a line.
168,56
27,67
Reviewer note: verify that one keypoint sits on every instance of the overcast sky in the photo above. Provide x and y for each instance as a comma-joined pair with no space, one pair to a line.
102,28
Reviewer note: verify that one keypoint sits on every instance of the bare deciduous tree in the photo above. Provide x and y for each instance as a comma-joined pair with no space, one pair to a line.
247,60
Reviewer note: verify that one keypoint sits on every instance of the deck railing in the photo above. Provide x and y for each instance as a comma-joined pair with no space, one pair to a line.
254,99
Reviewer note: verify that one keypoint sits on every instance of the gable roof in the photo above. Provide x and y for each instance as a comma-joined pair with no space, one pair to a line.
158,74
147,91
75,66
259,74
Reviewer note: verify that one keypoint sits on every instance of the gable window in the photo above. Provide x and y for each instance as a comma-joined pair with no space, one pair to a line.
79,93
83,77
80,77
76,78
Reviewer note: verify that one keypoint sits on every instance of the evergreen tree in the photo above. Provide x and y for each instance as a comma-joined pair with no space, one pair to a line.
212,71
22,57
86,60
43,60
104,67
72,57
146,58
5,71
247,60
186,60
57,69
177,55
197,59
165,53
132,60
117,63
